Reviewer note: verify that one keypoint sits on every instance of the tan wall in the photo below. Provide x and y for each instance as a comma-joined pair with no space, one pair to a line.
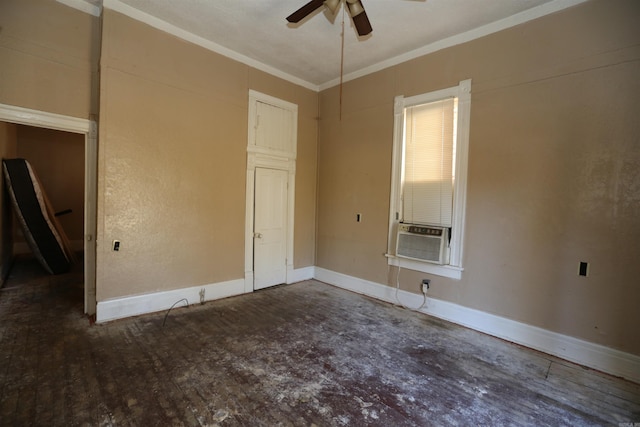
8,141
48,57
172,161
554,169
58,159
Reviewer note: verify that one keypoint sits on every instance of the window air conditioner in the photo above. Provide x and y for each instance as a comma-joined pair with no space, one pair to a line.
423,243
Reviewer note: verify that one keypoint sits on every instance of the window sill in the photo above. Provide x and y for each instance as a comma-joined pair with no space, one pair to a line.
426,267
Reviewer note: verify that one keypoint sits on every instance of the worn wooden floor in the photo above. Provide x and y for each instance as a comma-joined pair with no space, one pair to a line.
303,354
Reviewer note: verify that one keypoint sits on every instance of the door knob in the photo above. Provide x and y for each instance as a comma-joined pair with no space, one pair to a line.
257,235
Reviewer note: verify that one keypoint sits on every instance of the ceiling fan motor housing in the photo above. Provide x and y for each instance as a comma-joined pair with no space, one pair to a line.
332,5
355,7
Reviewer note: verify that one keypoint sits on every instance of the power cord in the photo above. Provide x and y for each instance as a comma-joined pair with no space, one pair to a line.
174,304
424,294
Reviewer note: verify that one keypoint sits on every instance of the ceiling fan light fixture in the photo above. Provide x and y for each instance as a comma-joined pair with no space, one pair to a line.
332,5
355,7
356,11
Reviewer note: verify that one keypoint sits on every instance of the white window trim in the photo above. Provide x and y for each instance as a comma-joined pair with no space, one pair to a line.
454,269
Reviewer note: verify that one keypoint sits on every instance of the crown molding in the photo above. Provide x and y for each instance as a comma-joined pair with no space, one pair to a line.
494,27
82,5
159,24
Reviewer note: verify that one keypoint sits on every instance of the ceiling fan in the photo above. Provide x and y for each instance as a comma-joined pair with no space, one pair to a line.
355,8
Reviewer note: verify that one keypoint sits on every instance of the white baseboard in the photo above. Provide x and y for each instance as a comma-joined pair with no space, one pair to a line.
300,274
118,308
596,356
585,353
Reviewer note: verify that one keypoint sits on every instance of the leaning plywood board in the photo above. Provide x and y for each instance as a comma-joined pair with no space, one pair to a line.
43,233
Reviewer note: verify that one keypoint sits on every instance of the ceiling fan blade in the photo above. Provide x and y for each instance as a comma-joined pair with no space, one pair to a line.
305,11
362,24
359,17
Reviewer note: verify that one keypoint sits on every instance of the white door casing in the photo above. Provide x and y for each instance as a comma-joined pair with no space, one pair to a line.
270,233
43,119
90,217
271,145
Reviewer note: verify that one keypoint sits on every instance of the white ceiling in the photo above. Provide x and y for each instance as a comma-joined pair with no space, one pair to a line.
309,53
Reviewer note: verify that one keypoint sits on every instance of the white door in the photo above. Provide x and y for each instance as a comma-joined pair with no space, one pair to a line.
270,228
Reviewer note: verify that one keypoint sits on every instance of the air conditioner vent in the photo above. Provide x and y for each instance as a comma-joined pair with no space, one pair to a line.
423,243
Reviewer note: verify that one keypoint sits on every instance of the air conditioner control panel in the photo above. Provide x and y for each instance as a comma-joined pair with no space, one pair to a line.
419,229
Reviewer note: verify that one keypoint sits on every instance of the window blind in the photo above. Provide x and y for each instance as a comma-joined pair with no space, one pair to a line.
427,188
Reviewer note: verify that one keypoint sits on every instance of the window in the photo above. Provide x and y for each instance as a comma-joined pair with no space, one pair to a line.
429,174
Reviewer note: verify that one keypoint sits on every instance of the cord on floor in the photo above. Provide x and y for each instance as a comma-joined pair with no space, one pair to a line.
174,304
424,295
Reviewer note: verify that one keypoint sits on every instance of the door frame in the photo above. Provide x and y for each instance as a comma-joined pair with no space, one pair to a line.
258,157
88,128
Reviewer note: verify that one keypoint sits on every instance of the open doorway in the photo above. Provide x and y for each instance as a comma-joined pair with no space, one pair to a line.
57,159
71,155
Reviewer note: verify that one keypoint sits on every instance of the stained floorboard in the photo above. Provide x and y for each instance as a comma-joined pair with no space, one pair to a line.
295,355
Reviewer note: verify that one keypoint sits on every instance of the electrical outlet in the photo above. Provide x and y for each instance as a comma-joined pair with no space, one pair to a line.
583,269
425,285
116,245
